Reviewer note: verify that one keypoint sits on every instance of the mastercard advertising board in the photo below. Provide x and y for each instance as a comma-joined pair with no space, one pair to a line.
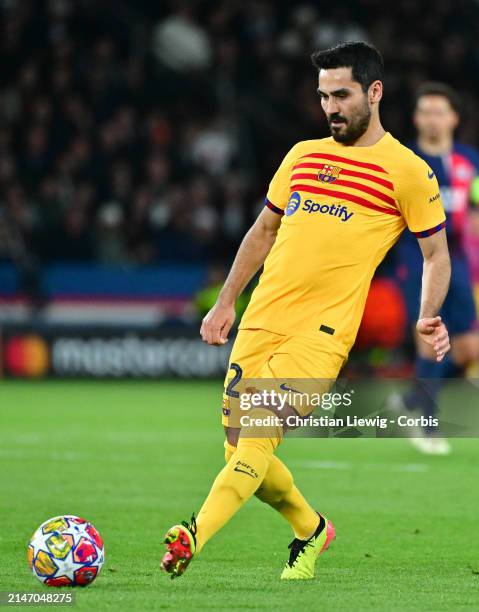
106,354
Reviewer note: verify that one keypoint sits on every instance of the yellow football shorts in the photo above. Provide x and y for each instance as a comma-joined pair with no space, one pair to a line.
262,359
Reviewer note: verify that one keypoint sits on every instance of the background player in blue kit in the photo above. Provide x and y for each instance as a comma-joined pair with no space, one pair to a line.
456,167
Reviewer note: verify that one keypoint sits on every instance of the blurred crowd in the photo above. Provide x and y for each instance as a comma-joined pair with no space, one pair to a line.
139,133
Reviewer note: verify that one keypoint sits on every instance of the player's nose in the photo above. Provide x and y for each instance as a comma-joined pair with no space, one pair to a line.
332,107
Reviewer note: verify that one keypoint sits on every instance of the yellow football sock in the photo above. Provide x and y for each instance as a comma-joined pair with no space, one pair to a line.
279,491
235,484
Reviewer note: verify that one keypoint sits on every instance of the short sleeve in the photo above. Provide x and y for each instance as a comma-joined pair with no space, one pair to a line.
420,200
279,187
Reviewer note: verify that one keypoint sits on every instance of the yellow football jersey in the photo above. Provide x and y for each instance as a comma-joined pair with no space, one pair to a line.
343,208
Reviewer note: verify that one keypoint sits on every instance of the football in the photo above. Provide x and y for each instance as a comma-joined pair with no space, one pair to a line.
66,551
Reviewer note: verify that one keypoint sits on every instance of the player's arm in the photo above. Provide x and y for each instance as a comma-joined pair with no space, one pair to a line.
435,284
253,250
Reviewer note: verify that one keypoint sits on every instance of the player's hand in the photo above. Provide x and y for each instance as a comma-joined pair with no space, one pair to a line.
217,323
433,331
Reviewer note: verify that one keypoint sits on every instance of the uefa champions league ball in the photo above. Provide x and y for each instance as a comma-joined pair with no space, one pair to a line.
66,551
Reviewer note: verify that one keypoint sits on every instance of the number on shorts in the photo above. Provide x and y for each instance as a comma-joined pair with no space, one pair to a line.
234,381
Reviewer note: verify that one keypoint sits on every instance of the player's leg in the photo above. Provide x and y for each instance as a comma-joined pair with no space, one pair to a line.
250,456
312,532
233,487
243,474
250,466
309,365
279,491
245,471
237,482
278,488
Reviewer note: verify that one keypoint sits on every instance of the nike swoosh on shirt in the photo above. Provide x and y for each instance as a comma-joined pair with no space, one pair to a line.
430,174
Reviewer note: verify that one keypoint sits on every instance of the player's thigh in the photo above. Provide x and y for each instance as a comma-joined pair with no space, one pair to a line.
251,350
304,367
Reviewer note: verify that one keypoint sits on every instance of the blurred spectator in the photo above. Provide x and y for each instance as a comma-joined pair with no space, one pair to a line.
180,42
110,242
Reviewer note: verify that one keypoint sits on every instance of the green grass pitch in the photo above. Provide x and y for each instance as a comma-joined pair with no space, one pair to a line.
136,457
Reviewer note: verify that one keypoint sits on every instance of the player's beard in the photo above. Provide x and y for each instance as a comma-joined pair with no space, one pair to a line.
352,128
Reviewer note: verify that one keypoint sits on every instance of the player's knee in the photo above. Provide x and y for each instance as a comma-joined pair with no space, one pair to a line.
262,431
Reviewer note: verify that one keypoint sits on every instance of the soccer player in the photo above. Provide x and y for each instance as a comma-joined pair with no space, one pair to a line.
456,166
333,209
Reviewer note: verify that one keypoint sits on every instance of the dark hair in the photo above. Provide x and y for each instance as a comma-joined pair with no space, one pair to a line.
365,61
433,88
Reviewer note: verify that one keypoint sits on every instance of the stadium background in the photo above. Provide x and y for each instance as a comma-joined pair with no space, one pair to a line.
136,145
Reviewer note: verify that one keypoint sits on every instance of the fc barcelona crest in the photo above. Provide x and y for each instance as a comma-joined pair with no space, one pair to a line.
328,174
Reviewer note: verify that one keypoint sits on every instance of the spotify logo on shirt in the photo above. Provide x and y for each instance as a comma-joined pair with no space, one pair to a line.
335,210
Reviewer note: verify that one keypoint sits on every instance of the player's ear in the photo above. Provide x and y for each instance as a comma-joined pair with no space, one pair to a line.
375,92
